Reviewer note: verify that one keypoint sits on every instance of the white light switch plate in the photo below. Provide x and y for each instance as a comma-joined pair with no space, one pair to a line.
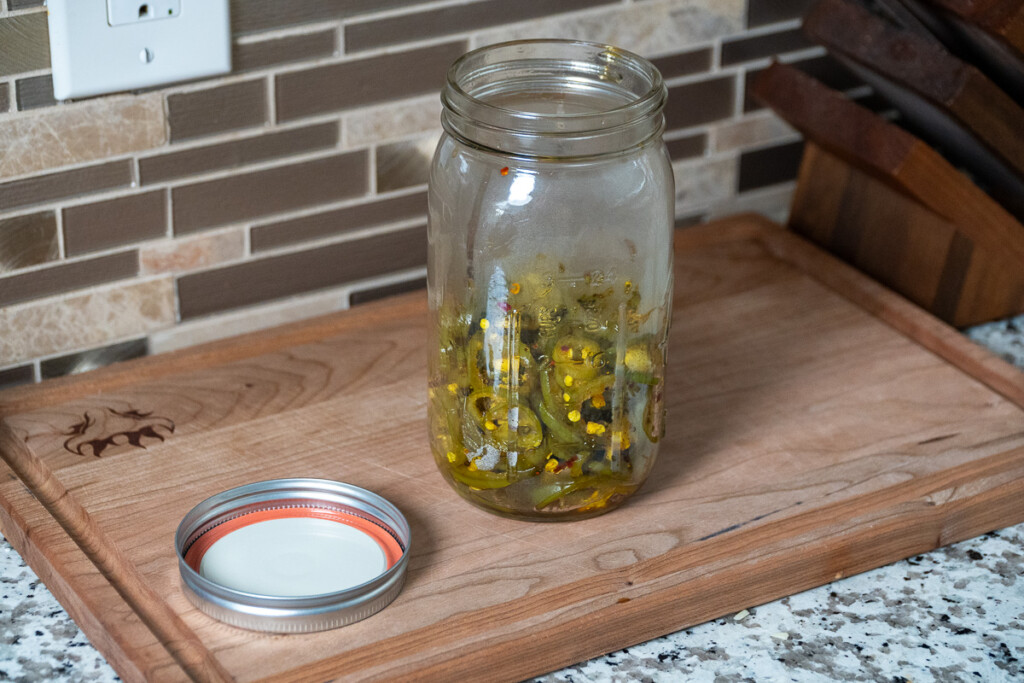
102,46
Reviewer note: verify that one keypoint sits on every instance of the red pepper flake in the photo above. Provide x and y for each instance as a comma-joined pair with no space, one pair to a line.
565,348
504,306
504,171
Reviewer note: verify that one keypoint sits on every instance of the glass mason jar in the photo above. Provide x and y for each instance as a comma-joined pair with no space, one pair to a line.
549,277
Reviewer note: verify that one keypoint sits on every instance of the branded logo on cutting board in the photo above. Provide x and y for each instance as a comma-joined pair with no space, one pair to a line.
104,428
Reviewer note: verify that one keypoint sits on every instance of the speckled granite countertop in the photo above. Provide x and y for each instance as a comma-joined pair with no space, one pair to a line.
954,614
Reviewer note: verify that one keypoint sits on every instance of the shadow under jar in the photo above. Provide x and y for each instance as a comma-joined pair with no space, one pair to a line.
549,277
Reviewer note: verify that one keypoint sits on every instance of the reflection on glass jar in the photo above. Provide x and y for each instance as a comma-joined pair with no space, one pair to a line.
550,278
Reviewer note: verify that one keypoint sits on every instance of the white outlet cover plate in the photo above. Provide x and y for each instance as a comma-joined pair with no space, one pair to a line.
91,57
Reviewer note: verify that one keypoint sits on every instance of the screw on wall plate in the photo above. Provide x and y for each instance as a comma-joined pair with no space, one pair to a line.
146,56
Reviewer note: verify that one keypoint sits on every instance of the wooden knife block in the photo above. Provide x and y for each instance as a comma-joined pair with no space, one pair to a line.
901,243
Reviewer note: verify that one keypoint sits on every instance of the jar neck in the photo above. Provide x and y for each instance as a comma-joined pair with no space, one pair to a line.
554,99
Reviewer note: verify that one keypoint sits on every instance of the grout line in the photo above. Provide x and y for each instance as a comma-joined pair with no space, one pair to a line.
271,91
371,170
270,34
767,29
168,214
61,249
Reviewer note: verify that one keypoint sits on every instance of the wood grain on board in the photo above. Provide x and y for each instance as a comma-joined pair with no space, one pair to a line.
819,426
894,207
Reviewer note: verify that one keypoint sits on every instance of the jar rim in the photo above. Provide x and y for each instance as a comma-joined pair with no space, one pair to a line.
578,58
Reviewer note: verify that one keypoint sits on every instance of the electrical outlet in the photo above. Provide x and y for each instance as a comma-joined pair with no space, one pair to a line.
103,46
121,12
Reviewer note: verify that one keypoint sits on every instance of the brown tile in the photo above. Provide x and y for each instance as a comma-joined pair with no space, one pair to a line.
826,69
364,296
116,222
67,277
454,19
684,63
767,45
12,377
83,361
338,221
762,12
28,241
404,164
687,147
5,99
259,15
63,184
691,220
215,110
259,55
701,102
769,166
34,92
237,153
249,195
26,43
265,279
362,82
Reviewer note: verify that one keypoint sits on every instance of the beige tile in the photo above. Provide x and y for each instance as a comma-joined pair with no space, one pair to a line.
265,316
185,254
752,131
52,326
248,320
772,202
702,183
391,122
84,131
648,28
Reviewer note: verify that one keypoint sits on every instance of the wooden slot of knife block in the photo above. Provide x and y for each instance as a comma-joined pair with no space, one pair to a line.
901,243
890,205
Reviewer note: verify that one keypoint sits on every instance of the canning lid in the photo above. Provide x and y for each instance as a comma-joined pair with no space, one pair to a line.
292,555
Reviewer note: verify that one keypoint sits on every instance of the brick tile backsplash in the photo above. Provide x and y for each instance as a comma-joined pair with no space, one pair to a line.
261,15
740,50
237,153
12,377
216,110
338,221
275,277
299,174
37,284
365,296
453,19
115,222
65,184
404,164
24,43
687,147
28,240
34,92
684,63
276,51
362,82
83,361
701,102
275,190
769,166
762,12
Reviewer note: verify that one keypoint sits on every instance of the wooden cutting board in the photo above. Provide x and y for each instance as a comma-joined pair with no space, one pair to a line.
819,426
